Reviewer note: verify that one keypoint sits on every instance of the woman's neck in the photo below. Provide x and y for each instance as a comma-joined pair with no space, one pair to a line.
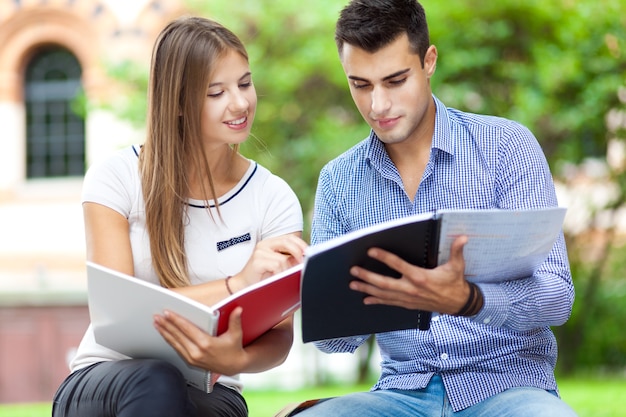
227,167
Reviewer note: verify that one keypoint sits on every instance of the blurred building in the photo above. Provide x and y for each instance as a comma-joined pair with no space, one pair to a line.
54,56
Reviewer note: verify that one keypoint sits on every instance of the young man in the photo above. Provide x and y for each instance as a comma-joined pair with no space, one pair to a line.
496,356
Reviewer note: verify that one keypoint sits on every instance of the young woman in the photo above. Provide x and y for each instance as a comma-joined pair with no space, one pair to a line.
186,210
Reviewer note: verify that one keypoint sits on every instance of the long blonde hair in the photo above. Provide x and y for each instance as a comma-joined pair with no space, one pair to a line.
183,58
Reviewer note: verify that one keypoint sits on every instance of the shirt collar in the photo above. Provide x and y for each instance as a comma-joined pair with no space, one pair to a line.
442,136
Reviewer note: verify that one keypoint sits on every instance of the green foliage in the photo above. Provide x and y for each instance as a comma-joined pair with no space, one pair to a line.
553,65
131,104
79,104
594,338
605,344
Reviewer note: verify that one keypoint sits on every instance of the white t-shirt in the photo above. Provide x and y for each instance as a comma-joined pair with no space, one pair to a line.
260,206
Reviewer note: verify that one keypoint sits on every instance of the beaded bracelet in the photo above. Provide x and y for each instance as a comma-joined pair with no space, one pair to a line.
474,302
227,285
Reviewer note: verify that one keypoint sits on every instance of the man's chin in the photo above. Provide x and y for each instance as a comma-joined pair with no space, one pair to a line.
389,138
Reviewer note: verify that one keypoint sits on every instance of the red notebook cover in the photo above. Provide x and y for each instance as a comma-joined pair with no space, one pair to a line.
264,304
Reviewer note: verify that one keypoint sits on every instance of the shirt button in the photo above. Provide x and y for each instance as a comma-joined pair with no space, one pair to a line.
487,320
436,318
444,356
359,339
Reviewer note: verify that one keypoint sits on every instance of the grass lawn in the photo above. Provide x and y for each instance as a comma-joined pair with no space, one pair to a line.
589,397
595,397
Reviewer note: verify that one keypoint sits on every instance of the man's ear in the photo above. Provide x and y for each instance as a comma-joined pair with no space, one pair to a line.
430,61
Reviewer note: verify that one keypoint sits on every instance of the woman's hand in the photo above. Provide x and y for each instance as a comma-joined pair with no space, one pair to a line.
223,354
270,257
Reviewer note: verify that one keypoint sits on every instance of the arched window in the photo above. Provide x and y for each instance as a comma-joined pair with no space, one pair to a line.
55,128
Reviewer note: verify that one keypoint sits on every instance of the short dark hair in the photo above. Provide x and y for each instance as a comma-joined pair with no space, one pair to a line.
373,24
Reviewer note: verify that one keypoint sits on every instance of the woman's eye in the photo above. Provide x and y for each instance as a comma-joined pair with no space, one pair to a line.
245,85
217,94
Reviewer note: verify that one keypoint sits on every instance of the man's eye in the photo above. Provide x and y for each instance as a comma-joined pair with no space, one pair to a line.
359,85
397,82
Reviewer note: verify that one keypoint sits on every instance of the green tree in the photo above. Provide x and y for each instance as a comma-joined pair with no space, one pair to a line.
554,65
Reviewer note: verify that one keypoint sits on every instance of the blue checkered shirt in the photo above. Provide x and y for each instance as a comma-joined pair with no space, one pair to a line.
476,162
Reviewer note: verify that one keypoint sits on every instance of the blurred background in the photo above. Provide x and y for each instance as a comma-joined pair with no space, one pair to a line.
73,77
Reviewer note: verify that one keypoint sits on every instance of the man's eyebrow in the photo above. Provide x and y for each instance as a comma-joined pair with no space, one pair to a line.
387,78
247,74
355,78
397,74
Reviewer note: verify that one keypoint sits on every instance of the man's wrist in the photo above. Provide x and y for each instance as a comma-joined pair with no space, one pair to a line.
474,302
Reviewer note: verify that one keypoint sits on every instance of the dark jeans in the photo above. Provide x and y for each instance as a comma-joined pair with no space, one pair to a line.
141,388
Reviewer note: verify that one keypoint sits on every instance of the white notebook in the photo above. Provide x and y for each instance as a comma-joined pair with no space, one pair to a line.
122,316
122,310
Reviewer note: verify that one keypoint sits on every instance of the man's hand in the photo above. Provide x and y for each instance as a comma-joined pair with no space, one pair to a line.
442,289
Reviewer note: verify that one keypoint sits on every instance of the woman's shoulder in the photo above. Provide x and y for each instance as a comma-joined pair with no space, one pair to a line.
125,157
117,173
264,176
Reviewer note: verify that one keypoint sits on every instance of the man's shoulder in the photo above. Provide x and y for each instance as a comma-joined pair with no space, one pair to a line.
491,134
481,121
